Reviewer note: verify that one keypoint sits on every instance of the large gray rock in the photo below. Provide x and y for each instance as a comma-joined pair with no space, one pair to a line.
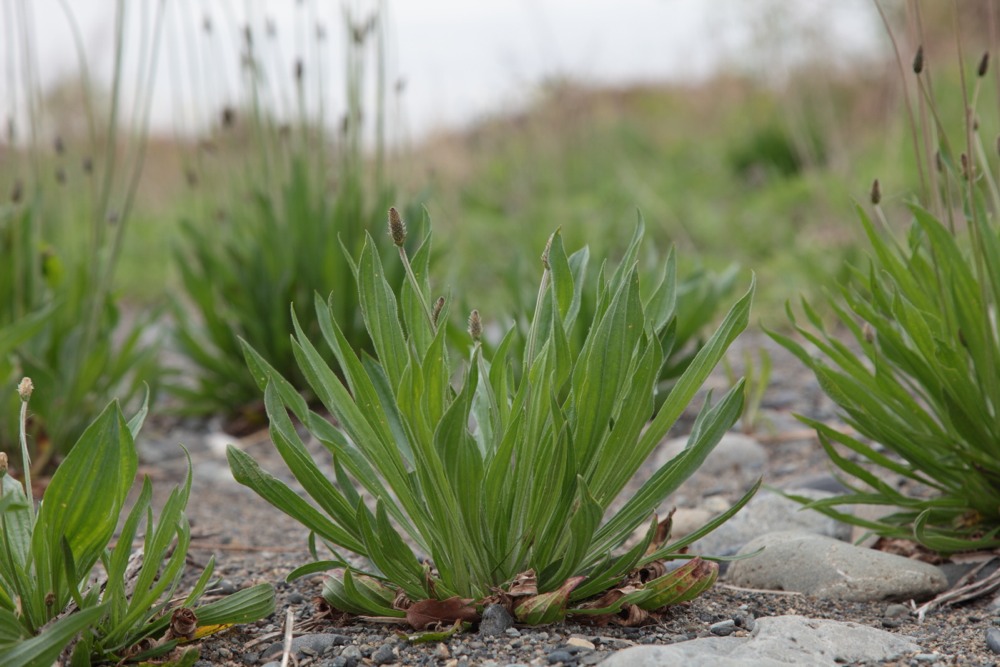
776,641
828,568
766,513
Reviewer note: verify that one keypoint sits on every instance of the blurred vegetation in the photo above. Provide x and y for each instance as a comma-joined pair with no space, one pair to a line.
270,230
738,170
72,190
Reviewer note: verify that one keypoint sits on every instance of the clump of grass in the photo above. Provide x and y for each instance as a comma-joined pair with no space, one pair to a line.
495,487
275,234
919,375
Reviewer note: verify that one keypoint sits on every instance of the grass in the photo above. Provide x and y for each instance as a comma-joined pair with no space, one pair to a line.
585,159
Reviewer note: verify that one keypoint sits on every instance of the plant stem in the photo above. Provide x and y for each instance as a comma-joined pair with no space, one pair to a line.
26,462
416,287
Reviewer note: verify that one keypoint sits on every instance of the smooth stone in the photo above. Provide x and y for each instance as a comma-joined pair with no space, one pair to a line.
734,452
993,639
686,520
767,512
315,643
828,568
822,482
723,628
777,641
384,654
560,656
496,620
352,654
896,611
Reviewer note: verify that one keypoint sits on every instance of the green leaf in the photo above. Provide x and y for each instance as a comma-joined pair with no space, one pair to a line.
43,650
83,501
243,606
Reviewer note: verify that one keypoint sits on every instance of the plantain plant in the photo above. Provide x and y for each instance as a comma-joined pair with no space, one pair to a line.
918,374
461,485
52,593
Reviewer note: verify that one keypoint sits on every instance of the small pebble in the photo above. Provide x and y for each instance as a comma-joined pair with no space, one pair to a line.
926,657
896,611
993,639
352,655
226,587
580,642
560,656
496,620
384,654
723,628
744,619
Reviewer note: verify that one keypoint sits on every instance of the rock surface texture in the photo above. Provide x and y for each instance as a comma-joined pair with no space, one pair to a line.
828,568
778,641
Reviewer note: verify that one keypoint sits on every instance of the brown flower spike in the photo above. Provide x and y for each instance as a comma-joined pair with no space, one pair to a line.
397,230
475,326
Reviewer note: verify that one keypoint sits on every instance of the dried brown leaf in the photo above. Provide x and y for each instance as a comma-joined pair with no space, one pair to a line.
402,601
633,616
425,613
662,533
908,549
525,583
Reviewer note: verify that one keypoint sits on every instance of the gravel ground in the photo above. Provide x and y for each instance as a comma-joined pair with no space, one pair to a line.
254,543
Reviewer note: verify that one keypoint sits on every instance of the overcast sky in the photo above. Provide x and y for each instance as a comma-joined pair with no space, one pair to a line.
458,58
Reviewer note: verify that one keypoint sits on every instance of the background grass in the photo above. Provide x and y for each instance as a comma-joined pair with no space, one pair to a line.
707,165
739,169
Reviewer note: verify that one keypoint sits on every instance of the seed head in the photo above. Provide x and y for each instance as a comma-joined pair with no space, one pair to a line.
58,145
475,326
876,193
436,312
17,191
228,117
869,332
397,229
88,165
918,60
298,70
545,253
24,389
966,166
938,162
984,64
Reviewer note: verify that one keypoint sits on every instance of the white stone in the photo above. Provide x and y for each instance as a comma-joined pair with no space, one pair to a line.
828,568
776,641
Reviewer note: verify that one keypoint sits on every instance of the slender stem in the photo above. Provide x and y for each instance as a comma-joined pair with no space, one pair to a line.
416,287
26,461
